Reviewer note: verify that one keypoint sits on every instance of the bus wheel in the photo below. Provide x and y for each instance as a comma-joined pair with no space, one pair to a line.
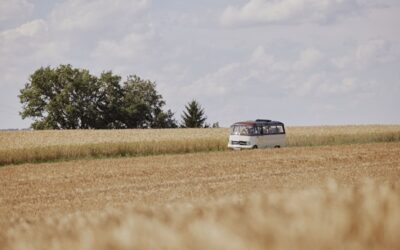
255,147
277,146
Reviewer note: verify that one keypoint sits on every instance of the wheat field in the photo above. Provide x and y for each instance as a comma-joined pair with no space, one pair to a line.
321,197
337,135
364,217
18,147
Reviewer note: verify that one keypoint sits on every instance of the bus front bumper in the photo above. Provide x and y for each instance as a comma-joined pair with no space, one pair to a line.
240,146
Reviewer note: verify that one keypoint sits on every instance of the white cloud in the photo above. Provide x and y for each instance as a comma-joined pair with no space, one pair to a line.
287,11
260,57
377,51
305,76
27,29
22,49
233,77
308,58
346,85
15,10
323,84
367,54
88,34
342,62
227,79
131,46
20,40
89,14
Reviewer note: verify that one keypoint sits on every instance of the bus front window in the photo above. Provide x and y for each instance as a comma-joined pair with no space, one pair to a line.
235,130
242,130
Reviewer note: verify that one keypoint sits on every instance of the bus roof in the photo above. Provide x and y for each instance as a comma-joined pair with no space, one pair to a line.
259,122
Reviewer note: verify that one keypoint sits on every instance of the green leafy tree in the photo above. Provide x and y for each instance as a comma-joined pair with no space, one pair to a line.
193,116
60,98
215,125
164,120
70,98
110,101
142,105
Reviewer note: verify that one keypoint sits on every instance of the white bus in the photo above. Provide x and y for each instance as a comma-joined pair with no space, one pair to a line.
257,134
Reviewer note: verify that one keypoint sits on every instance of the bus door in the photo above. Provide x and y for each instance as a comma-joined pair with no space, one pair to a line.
263,137
275,135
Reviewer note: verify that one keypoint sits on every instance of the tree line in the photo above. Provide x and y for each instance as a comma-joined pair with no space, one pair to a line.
70,98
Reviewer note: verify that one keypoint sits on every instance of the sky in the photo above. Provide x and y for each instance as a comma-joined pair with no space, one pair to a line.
302,62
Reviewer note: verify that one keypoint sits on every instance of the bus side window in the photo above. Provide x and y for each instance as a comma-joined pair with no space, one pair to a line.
257,130
265,130
279,129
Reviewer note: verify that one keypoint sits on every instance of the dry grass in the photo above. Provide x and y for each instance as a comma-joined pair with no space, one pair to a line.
337,135
110,149
274,198
41,146
366,216
48,138
35,190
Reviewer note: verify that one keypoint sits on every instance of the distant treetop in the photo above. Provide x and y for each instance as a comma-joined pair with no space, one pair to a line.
194,116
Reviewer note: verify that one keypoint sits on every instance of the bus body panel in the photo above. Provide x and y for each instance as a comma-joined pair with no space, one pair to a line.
275,140
241,141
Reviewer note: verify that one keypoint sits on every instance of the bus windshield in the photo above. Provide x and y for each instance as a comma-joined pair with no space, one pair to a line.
243,130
